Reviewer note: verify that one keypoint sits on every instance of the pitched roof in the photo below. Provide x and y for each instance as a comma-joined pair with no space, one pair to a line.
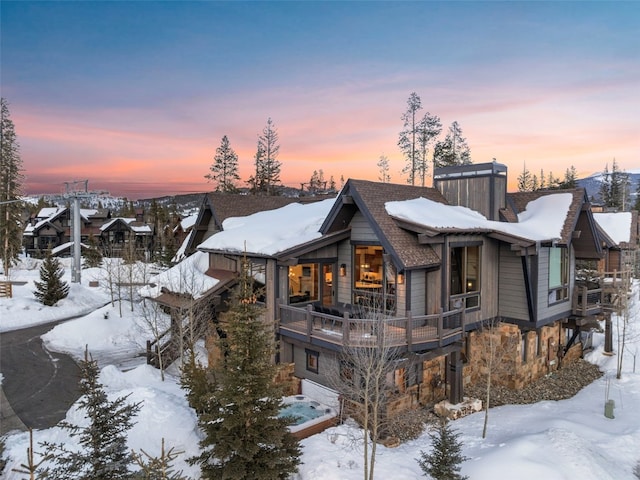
517,203
370,198
621,228
226,205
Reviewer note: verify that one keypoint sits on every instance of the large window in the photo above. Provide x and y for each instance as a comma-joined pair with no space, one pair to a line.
374,280
304,285
465,277
558,274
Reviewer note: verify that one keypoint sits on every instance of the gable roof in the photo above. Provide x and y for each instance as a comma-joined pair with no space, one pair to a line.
519,201
270,232
620,229
369,198
217,207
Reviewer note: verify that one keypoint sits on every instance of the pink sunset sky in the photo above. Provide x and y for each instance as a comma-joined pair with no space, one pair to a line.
136,96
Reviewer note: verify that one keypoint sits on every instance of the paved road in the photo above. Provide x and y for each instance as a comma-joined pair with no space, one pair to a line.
39,385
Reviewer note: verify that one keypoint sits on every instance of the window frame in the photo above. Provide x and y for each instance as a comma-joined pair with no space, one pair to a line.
466,298
373,287
313,360
558,291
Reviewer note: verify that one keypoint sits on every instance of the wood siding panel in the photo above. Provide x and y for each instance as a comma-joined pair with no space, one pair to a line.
361,230
222,262
327,365
343,293
418,304
512,296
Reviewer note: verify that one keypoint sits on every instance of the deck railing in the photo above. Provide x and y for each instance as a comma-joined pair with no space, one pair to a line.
345,331
587,301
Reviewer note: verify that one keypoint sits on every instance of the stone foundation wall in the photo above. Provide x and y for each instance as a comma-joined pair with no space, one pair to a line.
521,357
285,376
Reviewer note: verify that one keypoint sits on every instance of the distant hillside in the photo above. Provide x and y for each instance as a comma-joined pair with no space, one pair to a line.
592,184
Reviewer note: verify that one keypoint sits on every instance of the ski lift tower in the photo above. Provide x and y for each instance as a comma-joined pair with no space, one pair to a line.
76,190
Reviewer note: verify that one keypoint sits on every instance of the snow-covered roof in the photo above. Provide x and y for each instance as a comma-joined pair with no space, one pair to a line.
187,222
189,276
542,220
180,254
616,225
131,223
272,231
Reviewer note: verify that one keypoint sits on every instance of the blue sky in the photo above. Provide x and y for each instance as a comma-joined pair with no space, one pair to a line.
136,96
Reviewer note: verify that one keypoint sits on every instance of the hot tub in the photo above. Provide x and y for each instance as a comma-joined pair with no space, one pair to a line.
308,416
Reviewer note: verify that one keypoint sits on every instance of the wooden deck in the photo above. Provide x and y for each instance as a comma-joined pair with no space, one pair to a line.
410,332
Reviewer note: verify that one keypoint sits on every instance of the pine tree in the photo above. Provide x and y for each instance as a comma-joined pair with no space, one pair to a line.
407,139
605,186
570,178
157,468
238,402
429,128
103,454
51,288
453,150
525,181
92,255
224,170
268,171
636,205
443,463
383,169
11,178
620,188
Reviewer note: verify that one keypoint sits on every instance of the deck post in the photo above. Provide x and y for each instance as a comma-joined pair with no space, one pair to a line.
608,335
440,334
585,300
309,322
455,377
409,330
345,330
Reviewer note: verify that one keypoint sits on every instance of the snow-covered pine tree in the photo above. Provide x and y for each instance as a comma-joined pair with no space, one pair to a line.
238,402
103,452
51,288
443,463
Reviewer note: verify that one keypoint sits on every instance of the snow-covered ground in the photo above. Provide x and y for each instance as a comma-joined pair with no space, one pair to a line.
549,440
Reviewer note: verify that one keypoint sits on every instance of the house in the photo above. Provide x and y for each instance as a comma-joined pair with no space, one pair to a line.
216,207
425,268
620,241
122,237
50,229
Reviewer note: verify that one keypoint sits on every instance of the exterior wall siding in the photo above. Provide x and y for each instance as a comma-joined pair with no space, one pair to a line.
328,365
361,230
512,298
418,303
343,293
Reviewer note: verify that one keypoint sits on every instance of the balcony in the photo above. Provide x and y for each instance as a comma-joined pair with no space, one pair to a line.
412,333
587,302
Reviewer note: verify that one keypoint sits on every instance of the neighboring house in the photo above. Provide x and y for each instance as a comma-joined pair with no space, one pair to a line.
217,207
122,237
620,241
433,269
182,235
50,229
